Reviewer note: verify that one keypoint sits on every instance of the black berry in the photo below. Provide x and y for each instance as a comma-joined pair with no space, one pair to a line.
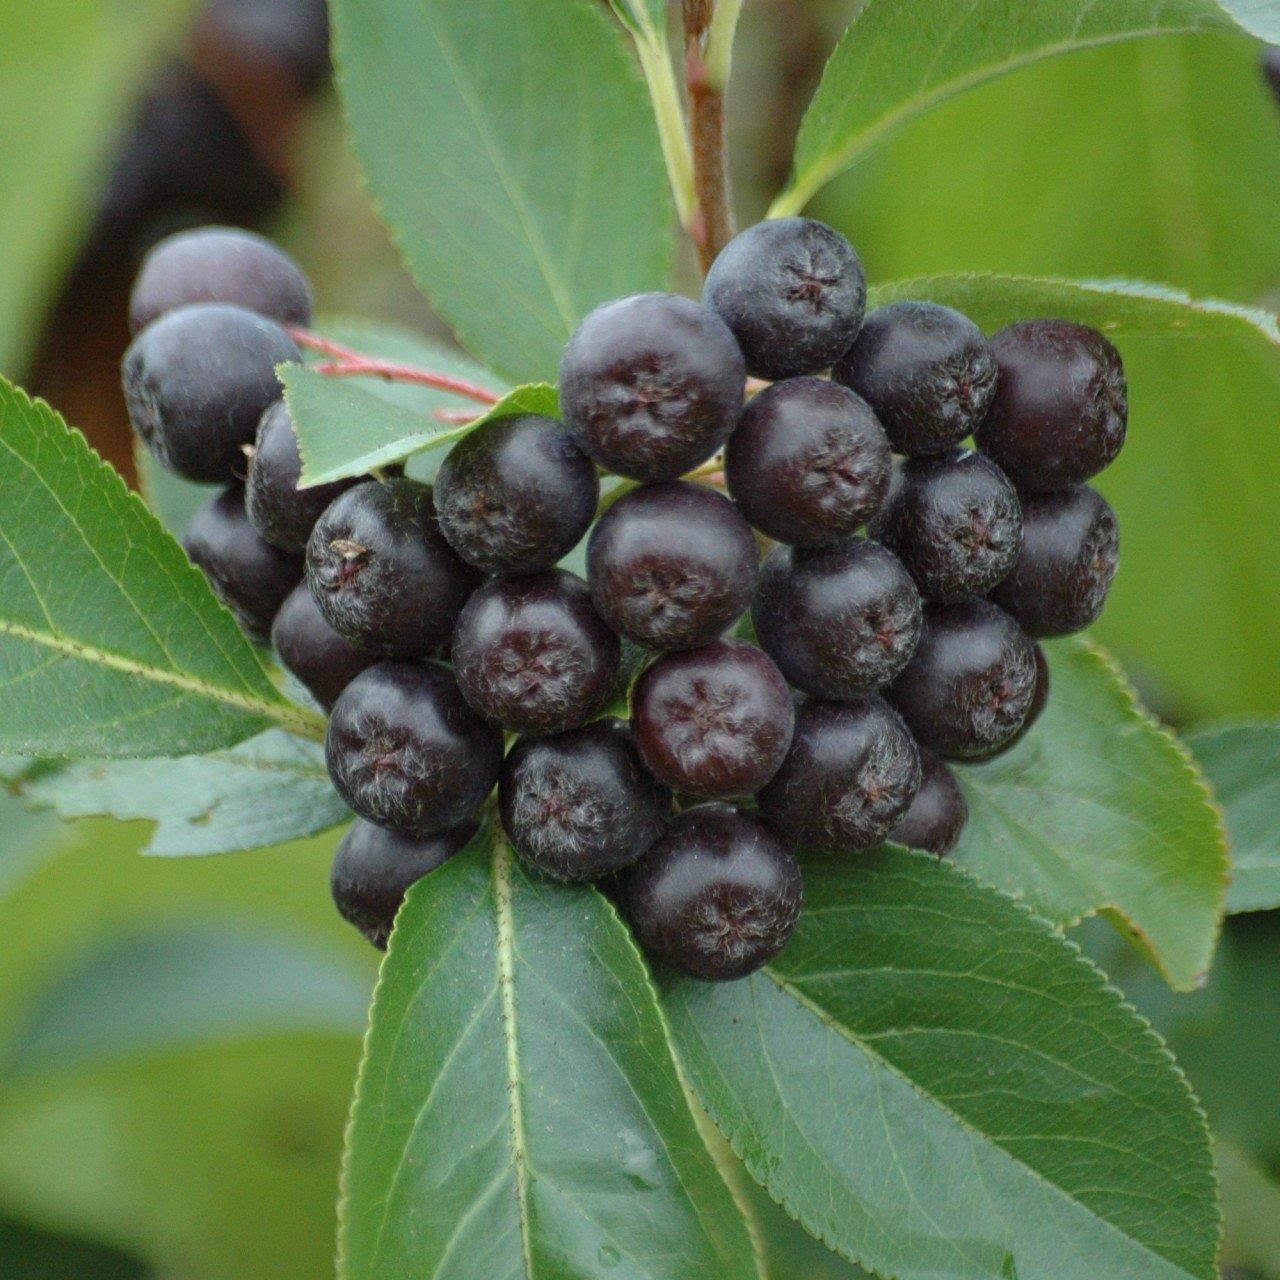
293,34
374,868
808,463
969,686
516,496
1039,700
954,521
197,383
936,818
672,566
1070,553
716,897
219,264
1061,407
651,385
250,576
852,771
713,722
927,371
533,655
839,622
381,572
794,293
313,651
581,805
1269,61
405,751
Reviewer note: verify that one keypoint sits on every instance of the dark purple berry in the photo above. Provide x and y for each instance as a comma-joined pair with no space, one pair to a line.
1269,61
651,385
936,818
713,722
672,566
718,896
313,651
969,687
1061,407
927,371
405,751
293,34
839,622
533,655
1070,553
794,293
1039,700
581,805
808,463
197,383
517,495
954,521
251,577
220,264
852,771
381,572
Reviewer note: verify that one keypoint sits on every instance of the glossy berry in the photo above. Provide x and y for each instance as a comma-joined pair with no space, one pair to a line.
1070,553
672,566
533,655
281,512
852,771
969,687
809,463
927,371
313,651
713,722
374,868
1039,700
718,896
381,572
651,385
219,264
251,577
794,293
936,818
516,496
581,805
839,622
405,751
954,521
197,383
1061,407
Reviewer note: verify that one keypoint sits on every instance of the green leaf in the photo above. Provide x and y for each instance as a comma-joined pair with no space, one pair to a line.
523,189
1242,764
518,1079
263,792
935,1083
1250,1213
900,58
1098,808
111,643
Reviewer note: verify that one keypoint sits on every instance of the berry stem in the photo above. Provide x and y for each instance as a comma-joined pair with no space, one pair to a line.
712,227
654,54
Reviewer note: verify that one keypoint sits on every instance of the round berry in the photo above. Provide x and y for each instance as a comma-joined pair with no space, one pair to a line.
954,521
713,722
280,511
1070,553
840,621
533,655
808,463
289,34
516,496
405,751
313,651
581,805
251,577
672,566
852,771
718,896
969,686
1269,61
1061,407
1039,700
927,371
381,572
936,818
651,385
197,383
